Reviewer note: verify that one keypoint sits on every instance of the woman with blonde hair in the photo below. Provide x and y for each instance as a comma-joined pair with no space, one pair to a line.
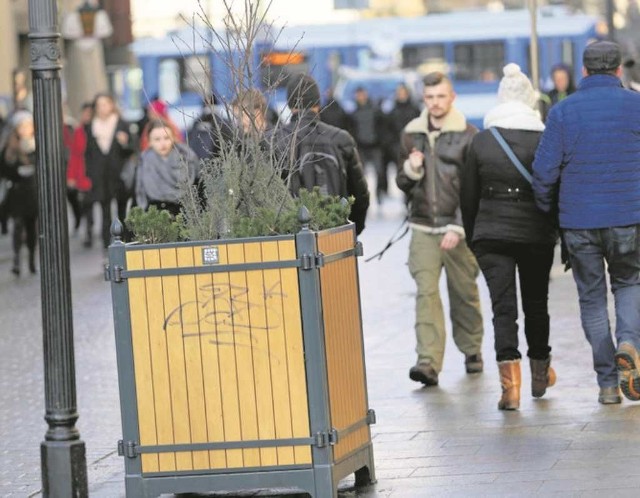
108,148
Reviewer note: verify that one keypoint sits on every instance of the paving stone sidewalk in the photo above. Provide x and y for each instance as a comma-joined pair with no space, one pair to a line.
445,441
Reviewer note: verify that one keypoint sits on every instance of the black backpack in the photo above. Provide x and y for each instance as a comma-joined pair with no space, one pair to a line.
320,165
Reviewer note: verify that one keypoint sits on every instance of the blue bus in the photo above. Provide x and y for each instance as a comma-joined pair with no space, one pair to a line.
470,46
473,47
186,65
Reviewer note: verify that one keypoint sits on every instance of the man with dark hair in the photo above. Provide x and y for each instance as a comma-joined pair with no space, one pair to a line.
367,123
434,148
587,167
323,156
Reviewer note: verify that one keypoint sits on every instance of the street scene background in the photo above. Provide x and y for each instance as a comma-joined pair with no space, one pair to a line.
445,441
448,440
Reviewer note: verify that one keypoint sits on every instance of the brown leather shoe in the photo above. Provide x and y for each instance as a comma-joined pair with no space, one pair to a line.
425,373
510,380
542,376
473,363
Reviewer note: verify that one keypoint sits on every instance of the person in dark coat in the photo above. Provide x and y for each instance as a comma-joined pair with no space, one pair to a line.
108,148
314,136
507,232
404,110
19,166
587,168
368,129
563,86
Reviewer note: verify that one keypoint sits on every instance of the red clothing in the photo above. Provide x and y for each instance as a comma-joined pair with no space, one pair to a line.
76,143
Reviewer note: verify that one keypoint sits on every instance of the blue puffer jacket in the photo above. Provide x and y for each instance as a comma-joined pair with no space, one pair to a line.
591,150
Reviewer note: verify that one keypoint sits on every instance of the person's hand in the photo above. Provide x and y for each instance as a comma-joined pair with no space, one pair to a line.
416,160
122,137
449,241
71,183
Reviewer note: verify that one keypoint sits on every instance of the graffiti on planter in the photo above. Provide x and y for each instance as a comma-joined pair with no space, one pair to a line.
228,314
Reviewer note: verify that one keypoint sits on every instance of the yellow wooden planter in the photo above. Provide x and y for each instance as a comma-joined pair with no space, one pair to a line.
241,364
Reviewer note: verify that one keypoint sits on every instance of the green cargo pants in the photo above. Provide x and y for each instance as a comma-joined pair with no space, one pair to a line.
426,261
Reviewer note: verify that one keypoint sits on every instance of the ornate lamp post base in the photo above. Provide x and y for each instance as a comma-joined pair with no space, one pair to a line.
64,469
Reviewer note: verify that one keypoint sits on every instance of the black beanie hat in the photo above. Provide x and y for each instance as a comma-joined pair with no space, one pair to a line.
302,92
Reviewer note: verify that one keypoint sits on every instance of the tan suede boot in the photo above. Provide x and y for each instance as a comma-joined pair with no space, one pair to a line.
542,376
510,379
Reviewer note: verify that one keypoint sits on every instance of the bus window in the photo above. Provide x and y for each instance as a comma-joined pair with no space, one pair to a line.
277,67
479,61
196,75
424,58
169,80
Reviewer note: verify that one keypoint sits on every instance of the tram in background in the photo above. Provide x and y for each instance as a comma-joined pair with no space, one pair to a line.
471,47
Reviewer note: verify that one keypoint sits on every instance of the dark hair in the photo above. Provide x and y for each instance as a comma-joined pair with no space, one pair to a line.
302,93
435,78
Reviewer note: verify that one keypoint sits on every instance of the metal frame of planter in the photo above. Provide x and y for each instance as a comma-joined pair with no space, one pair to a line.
291,367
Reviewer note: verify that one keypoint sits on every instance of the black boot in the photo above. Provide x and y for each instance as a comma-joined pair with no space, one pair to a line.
32,262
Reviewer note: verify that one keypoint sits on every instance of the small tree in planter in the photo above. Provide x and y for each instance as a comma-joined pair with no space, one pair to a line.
241,360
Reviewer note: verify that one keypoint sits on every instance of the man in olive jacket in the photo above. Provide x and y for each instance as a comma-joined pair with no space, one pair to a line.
434,149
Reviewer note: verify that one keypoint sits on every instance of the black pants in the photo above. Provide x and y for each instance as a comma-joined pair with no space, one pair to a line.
24,225
373,155
105,207
75,201
498,261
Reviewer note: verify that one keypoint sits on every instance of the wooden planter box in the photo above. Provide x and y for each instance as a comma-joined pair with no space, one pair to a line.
241,364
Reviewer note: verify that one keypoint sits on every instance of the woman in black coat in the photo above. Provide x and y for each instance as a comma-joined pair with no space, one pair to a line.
108,148
18,160
506,231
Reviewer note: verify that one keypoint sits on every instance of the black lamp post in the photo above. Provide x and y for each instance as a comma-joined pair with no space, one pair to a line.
63,460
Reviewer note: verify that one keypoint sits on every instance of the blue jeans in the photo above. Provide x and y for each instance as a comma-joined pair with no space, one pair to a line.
588,251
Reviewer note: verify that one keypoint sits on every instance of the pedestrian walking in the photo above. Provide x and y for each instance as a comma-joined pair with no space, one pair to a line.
108,148
435,147
78,184
324,156
165,168
507,232
19,166
367,121
587,167
403,111
563,86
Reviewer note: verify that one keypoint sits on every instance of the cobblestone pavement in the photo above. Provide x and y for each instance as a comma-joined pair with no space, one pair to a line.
445,441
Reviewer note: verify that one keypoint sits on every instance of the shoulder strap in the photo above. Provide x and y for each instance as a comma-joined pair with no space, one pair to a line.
516,162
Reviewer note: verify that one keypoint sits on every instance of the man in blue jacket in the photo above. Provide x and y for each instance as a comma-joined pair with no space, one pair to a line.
588,168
